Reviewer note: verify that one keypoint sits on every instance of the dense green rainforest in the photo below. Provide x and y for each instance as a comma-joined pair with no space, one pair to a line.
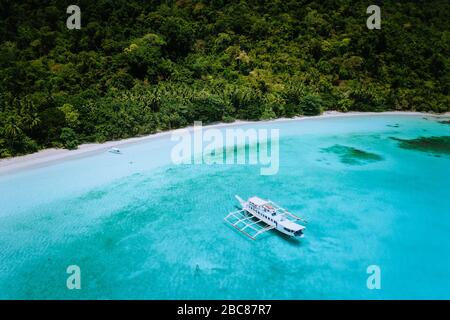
137,67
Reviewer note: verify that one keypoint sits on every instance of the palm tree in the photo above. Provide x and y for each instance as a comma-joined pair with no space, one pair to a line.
35,121
11,131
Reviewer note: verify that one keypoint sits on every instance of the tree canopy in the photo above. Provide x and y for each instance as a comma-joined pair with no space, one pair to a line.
138,67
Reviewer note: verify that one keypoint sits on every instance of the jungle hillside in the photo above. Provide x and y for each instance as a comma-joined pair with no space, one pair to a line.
138,67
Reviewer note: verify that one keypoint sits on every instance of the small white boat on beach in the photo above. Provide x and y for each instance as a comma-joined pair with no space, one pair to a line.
258,216
115,150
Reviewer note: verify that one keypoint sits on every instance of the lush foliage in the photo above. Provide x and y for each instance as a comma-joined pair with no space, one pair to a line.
137,67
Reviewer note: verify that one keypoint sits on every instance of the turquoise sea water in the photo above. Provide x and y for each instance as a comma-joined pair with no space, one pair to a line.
140,227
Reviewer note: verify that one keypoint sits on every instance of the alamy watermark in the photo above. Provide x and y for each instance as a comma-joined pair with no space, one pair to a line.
228,146
374,21
74,20
73,282
374,280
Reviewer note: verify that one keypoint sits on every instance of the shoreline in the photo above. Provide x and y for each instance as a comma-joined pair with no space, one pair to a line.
51,155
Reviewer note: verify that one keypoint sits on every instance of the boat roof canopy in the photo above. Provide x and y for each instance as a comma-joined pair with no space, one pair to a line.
258,201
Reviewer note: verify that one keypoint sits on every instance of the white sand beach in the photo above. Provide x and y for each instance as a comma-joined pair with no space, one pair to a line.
51,155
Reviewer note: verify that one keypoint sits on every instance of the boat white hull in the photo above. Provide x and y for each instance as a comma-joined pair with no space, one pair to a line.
270,223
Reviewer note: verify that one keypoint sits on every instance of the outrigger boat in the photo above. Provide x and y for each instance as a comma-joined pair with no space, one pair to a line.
258,216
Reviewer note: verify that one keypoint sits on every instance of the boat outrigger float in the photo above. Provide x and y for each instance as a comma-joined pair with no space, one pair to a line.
258,216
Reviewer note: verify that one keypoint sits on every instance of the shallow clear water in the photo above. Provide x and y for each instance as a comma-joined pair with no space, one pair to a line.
142,228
